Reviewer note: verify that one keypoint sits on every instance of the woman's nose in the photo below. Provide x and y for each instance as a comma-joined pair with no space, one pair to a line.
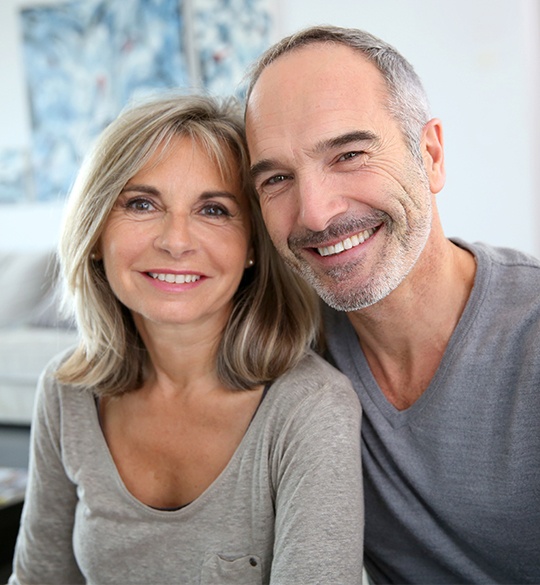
175,234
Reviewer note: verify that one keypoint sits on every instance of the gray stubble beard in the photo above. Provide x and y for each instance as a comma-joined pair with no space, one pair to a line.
395,267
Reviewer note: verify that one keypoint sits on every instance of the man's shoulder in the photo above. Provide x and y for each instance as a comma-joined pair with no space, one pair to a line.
499,255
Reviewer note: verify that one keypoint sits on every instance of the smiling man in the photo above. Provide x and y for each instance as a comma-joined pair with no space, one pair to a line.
440,337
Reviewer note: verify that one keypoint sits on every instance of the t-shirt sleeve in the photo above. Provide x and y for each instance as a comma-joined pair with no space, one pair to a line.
319,495
44,550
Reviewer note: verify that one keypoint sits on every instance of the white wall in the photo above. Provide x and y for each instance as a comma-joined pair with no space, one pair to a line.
480,62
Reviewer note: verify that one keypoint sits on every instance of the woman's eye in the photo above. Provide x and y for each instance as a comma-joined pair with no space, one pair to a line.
215,210
139,204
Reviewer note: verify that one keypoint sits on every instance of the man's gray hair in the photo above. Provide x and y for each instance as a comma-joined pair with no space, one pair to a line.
407,100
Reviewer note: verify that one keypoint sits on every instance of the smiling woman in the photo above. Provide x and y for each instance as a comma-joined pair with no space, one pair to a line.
132,179
178,228
192,435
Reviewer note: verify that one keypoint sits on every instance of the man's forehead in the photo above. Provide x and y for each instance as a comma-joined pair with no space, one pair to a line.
319,90
315,62
315,77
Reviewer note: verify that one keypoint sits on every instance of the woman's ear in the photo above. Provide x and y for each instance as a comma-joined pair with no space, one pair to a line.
432,146
250,258
96,254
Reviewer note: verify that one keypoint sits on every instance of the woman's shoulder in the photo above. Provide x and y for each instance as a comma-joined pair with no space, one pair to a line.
314,371
310,410
313,380
52,396
47,381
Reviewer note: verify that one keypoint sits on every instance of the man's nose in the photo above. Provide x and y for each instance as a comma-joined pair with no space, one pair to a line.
175,234
319,203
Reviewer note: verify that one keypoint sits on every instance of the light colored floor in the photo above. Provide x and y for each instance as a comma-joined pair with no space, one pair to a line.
365,578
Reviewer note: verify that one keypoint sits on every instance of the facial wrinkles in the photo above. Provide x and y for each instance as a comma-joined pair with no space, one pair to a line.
282,126
405,239
417,183
402,189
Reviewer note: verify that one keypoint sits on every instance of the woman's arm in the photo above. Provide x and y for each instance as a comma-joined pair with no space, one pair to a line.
319,495
44,550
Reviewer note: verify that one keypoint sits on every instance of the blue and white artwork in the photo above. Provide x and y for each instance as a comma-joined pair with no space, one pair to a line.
85,60
229,35
15,180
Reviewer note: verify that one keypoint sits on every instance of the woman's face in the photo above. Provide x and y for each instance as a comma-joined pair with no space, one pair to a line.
177,240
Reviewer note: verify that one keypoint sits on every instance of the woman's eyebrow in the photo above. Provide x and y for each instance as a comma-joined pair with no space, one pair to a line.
140,189
205,195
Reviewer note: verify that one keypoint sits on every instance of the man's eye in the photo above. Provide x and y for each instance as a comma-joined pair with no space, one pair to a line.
274,184
350,155
275,179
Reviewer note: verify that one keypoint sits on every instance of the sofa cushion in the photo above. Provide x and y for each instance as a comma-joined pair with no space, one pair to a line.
24,353
26,279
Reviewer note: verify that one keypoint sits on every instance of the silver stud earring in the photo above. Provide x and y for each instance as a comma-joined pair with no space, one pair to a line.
250,263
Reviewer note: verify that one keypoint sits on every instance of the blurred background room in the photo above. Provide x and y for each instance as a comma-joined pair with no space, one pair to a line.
68,67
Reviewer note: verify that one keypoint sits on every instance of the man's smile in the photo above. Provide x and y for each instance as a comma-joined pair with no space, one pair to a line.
347,243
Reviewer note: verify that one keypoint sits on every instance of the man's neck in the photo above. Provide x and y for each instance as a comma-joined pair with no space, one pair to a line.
405,335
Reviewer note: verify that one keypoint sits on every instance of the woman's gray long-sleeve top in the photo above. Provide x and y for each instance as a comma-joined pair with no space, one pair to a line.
287,509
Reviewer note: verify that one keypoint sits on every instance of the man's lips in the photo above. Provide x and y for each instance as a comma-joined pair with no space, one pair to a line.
347,243
339,237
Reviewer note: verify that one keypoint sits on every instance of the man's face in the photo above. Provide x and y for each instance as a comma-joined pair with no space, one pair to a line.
346,203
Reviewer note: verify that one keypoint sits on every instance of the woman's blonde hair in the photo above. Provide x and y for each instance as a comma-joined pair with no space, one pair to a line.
275,317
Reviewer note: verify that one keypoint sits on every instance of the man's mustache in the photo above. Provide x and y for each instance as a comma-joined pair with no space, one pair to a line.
338,230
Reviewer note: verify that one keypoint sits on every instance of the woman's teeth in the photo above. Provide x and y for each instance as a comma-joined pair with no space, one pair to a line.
346,244
176,278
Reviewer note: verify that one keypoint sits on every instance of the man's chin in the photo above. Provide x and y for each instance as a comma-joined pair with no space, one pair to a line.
333,286
348,305
342,292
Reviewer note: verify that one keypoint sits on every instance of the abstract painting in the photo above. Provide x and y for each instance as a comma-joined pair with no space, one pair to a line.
85,60
229,35
15,178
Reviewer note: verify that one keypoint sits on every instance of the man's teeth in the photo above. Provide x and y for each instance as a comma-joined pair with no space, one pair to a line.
176,278
346,244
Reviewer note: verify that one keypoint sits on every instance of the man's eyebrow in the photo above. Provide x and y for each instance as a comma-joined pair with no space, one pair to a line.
268,164
344,139
264,165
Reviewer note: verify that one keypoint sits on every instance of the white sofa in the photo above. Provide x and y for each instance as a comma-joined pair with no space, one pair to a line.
31,329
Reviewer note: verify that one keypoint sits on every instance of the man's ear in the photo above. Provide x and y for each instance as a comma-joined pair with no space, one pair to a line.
432,146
